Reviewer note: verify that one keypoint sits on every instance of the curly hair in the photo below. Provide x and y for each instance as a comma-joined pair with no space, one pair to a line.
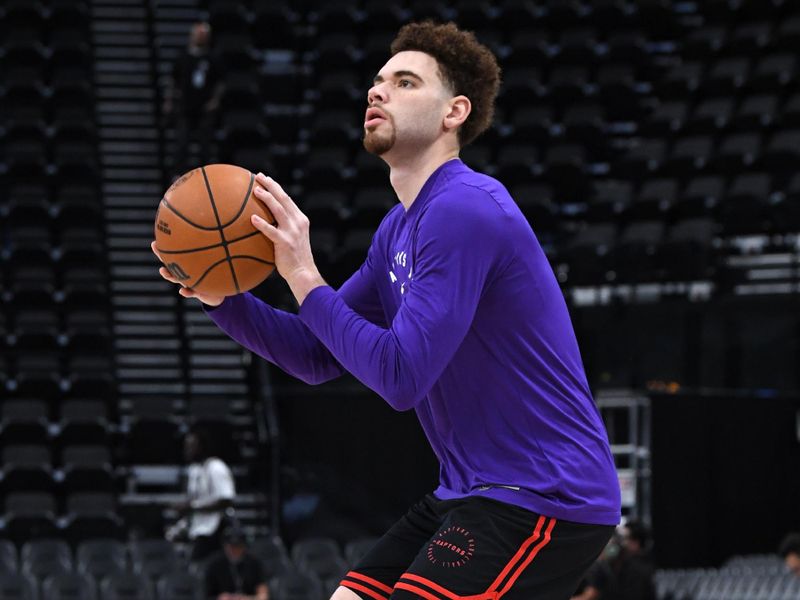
466,66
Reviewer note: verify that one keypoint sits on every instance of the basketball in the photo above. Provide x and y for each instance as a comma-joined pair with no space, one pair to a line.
204,235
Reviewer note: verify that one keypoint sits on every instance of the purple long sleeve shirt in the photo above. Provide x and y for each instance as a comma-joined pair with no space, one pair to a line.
456,314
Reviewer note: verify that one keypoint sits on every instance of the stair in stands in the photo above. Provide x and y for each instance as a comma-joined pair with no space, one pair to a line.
167,348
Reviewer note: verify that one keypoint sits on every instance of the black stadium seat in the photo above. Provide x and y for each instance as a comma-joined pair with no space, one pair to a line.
28,467
296,585
711,115
69,586
588,253
637,254
24,420
701,195
656,196
101,557
355,549
179,585
648,144
9,560
154,558
756,112
91,515
45,557
688,252
126,586
16,586
314,548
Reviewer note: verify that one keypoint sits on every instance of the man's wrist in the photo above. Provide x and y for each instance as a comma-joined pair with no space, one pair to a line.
303,281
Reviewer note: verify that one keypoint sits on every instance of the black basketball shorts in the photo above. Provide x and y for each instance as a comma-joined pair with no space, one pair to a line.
478,549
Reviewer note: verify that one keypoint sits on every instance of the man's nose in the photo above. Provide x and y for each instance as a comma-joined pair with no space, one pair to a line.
377,93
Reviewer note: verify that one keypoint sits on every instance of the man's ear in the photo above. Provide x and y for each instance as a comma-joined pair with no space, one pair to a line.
460,107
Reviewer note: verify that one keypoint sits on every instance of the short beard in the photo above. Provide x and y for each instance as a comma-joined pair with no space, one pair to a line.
378,145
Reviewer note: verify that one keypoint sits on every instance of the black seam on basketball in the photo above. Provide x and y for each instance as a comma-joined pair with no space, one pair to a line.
166,203
207,271
221,231
244,202
222,260
233,241
255,258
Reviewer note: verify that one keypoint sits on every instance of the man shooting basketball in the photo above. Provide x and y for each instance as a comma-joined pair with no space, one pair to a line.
455,313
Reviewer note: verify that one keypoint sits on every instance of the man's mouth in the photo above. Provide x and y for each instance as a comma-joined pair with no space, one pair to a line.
373,117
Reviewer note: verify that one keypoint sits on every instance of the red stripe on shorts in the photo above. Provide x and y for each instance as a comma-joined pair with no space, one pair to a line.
518,556
530,558
442,591
373,582
418,591
362,588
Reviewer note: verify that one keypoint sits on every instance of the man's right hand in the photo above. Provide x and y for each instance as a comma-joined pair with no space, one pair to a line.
186,292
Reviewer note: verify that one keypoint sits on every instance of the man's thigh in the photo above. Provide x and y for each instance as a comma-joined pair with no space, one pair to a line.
375,575
486,549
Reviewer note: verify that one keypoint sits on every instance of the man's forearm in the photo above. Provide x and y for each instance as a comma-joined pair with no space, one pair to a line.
216,505
276,336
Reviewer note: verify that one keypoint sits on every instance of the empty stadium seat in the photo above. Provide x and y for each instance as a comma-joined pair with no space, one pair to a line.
9,561
27,467
179,585
745,207
45,557
370,205
91,515
296,585
153,434
154,558
84,421
355,549
588,253
314,548
711,115
24,421
536,201
756,112
101,557
688,252
69,586
637,252
273,555
16,586
655,197
126,586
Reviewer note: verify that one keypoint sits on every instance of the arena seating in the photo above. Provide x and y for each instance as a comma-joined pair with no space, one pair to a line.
652,145
151,570
669,120
741,578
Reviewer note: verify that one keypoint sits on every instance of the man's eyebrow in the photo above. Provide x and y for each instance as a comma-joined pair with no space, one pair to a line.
379,77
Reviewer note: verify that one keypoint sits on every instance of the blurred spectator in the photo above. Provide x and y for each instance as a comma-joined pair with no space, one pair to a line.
635,539
624,570
235,574
192,97
210,492
790,552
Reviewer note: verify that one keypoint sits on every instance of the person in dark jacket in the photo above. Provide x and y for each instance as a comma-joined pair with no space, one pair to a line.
192,97
234,573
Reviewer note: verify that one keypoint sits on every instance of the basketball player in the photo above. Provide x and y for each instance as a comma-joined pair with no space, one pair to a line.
456,314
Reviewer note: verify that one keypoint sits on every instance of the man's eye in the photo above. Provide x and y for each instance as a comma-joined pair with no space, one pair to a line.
404,83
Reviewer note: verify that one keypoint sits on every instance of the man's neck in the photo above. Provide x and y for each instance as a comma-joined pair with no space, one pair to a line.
409,174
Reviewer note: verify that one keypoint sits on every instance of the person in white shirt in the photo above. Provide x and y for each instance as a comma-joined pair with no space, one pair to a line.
210,492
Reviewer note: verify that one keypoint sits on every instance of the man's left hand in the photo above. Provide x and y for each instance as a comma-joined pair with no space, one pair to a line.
293,257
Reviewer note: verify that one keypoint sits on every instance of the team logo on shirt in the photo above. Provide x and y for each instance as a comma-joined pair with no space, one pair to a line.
452,547
398,273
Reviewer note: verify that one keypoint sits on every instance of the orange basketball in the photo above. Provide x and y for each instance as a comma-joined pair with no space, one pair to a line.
204,235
